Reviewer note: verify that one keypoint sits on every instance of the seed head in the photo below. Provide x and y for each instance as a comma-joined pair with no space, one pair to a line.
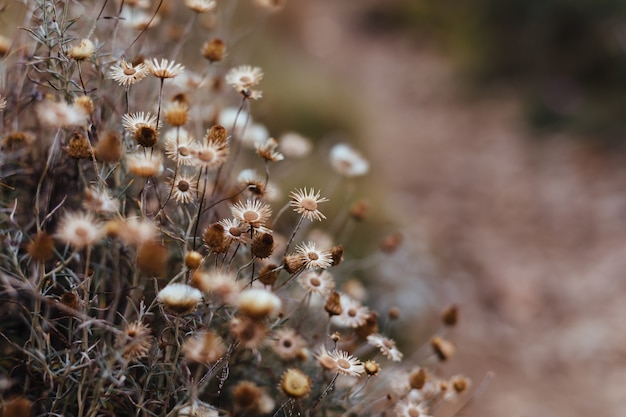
214,50
179,299
42,247
295,384
193,259
262,246
258,303
109,148
84,50
444,349
78,146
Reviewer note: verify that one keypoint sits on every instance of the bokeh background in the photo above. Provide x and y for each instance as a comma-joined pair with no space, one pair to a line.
496,134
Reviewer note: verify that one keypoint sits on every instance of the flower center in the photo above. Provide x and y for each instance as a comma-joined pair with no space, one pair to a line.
251,216
130,71
309,204
414,412
183,185
352,312
183,150
315,282
313,256
235,231
81,232
343,363
206,155
245,79
327,362
287,343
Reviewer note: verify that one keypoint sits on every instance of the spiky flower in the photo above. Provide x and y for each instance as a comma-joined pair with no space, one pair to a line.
268,151
179,298
183,189
321,284
79,230
305,203
253,213
127,74
340,361
164,68
134,342
314,257
201,6
243,78
387,346
180,146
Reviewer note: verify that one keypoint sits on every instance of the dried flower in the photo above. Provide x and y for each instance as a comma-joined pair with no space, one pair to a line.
100,201
258,303
135,341
42,247
205,347
267,151
78,146
145,164
79,230
249,333
314,257
177,113
387,346
183,189
201,6
371,368
450,316
210,155
409,408
253,213
353,313
295,384
305,203
347,161
294,145
3,103
143,127
218,282
317,283
193,259
249,396
214,50
127,74
179,298
84,50
164,69
108,148
60,114
444,349
244,77
180,146
340,361
288,344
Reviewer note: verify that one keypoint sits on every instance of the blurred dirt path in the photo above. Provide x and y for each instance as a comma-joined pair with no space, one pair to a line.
531,233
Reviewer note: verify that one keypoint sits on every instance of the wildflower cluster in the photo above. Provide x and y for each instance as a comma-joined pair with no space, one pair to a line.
146,269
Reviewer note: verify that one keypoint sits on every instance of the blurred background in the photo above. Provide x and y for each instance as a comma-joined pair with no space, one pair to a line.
496,131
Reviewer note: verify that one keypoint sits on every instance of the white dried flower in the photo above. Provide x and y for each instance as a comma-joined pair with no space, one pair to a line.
347,161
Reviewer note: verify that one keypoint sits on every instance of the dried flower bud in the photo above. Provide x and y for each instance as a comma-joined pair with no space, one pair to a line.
450,316
179,298
371,367
459,383
214,50
215,238
177,113
262,246
152,258
42,247
78,146
193,259
444,349
205,347
217,134
418,378
134,342
258,303
390,243
146,135
16,140
295,383
249,333
109,148
84,50
246,395
85,103
5,46
337,254
370,326
394,313
70,299
293,263
333,304
182,98
335,337
268,274
359,211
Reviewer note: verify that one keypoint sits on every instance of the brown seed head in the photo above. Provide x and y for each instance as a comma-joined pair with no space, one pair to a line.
418,378
337,254
359,211
459,384
215,238
268,274
246,395
293,263
146,136
152,258
262,246
450,316
370,326
295,383
394,313
193,259
41,248
214,50
16,140
85,103
109,148
333,304
217,134
177,113
444,349
70,299
250,333
78,146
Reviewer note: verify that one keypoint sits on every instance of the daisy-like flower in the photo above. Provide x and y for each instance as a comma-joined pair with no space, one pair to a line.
204,347
294,145
135,231
321,284
353,314
3,103
340,361
60,114
136,121
387,346
180,146
288,344
234,231
267,151
305,203
138,19
99,201
165,68
410,408
243,78
210,155
201,6
135,341
348,162
314,257
257,303
252,212
145,164
220,283
179,298
184,189
79,230
126,74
